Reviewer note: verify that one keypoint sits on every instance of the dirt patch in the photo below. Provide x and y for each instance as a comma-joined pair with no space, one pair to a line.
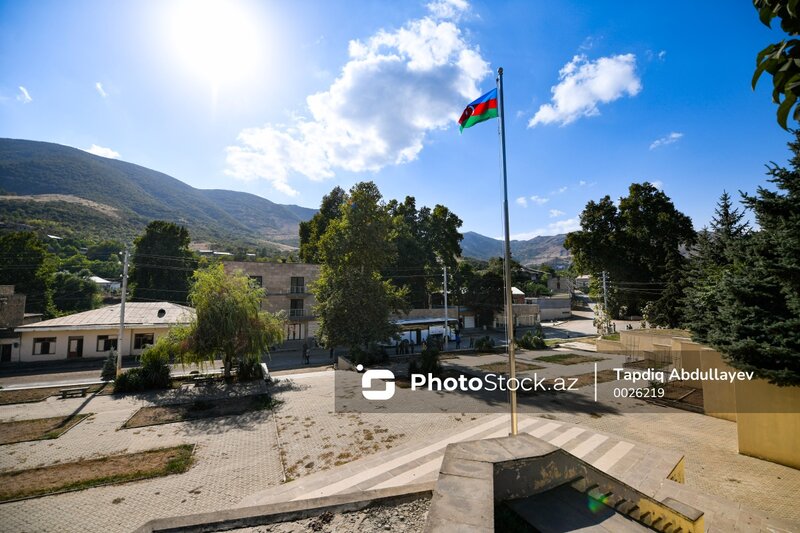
179,412
8,397
502,366
568,358
38,428
68,198
92,472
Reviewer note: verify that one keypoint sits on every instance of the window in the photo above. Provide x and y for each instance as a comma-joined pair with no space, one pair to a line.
106,343
44,346
298,285
258,280
140,340
296,308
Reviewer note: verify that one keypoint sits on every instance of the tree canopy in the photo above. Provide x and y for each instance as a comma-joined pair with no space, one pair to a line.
637,243
26,264
354,301
229,321
781,60
162,263
753,302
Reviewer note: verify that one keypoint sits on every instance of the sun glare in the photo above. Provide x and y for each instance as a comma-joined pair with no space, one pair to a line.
216,40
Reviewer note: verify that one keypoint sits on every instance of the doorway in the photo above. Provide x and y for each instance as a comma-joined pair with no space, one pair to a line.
5,353
75,347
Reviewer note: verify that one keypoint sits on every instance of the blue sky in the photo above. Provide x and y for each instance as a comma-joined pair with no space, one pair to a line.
289,99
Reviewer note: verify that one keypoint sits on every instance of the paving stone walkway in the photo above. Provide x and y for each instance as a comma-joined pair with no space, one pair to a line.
245,459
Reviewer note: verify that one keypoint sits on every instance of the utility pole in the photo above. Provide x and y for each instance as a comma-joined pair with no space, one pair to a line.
122,312
446,316
605,304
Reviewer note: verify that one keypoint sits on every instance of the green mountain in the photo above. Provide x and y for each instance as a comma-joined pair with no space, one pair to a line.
539,250
69,192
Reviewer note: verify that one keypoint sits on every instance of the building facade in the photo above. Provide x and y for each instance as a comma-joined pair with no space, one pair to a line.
287,288
93,334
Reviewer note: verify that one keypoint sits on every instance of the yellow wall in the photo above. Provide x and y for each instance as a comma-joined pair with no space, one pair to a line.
719,398
768,421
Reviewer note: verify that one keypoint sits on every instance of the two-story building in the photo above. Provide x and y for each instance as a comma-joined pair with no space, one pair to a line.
287,288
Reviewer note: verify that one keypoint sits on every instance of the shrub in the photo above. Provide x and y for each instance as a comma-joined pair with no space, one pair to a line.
529,341
375,353
484,344
429,361
248,368
109,371
153,374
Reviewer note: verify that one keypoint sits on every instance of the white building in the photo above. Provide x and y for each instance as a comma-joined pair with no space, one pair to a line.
94,333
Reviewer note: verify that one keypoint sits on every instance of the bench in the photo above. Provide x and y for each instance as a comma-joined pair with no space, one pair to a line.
202,380
77,391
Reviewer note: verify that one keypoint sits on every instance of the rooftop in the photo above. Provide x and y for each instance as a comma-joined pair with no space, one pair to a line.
136,313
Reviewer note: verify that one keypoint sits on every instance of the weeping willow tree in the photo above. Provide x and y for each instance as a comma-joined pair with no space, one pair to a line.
229,322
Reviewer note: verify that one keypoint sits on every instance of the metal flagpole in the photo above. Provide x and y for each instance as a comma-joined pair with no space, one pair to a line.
512,370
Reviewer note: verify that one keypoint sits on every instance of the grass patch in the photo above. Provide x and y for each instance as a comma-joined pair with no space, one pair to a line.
38,428
89,473
8,397
502,366
611,337
180,412
568,358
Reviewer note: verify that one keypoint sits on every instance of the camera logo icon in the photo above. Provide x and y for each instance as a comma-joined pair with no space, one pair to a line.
376,375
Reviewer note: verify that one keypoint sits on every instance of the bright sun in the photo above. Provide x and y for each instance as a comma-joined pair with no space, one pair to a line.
216,40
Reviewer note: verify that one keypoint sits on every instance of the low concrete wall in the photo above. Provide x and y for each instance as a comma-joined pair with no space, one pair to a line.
768,421
719,397
606,346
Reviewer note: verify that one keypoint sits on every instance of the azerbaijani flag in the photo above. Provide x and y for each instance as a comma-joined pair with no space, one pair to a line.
481,109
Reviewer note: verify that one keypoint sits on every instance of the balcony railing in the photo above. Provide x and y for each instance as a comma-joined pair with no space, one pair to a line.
297,313
297,289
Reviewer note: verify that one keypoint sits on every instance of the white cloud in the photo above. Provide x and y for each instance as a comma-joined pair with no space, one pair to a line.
658,184
369,117
448,9
102,92
582,183
522,201
668,139
554,228
584,84
539,200
556,213
102,151
24,96
662,55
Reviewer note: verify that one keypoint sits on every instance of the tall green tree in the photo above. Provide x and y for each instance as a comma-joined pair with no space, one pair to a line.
756,320
717,248
637,244
311,231
26,264
354,301
162,263
425,240
229,321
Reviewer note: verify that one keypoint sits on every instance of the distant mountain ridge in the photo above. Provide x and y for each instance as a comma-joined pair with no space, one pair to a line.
136,194
64,190
539,250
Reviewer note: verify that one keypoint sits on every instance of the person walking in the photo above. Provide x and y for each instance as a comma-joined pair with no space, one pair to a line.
305,353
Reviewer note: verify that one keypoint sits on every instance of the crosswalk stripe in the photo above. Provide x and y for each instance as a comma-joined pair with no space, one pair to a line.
613,455
588,445
436,463
565,437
